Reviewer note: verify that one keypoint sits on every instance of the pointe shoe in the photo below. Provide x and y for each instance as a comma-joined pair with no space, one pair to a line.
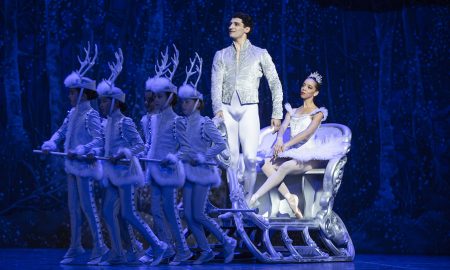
253,202
293,203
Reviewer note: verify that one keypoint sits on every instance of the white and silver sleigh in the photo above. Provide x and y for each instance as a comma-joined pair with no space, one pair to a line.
274,235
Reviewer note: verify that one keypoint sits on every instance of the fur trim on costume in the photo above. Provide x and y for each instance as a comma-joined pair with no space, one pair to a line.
203,175
172,158
172,175
187,91
74,80
124,175
160,84
84,169
105,89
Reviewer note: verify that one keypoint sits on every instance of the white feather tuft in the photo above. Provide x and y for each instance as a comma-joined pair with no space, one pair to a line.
74,80
159,84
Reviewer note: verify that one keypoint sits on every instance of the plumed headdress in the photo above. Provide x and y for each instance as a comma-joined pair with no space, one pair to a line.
107,88
189,90
162,81
76,79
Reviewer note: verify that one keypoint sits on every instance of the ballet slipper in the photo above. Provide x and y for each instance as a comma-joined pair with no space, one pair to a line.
293,203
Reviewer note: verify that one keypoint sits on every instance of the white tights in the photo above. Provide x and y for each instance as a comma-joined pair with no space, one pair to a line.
242,123
276,170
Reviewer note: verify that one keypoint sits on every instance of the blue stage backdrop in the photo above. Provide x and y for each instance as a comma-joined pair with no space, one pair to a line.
386,76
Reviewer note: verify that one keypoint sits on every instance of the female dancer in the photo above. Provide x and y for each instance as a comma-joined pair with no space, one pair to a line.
299,153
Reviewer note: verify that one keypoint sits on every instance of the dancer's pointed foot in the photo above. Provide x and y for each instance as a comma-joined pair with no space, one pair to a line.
253,202
293,203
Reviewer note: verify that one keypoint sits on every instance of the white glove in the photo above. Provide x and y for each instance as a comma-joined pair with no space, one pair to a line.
49,146
171,158
200,158
80,150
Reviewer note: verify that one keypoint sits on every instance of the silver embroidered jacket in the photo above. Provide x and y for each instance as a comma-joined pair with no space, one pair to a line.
229,75
81,128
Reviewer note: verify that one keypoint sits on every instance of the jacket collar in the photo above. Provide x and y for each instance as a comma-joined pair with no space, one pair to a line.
245,46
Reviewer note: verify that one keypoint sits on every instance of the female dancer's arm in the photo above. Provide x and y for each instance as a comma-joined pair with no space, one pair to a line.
304,136
280,134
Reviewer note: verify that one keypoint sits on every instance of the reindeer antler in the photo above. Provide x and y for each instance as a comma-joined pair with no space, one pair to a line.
116,68
198,69
175,63
161,69
87,63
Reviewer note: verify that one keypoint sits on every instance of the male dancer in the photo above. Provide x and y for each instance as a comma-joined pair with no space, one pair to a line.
236,73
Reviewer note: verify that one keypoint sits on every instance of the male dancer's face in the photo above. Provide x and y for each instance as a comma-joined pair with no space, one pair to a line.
237,29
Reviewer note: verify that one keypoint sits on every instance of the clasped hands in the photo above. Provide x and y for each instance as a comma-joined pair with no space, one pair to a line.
279,147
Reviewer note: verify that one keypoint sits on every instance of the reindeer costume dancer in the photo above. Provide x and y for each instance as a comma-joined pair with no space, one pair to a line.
200,142
168,175
155,196
149,98
122,140
81,132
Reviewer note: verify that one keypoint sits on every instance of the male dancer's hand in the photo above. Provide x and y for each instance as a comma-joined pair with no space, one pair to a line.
219,114
275,123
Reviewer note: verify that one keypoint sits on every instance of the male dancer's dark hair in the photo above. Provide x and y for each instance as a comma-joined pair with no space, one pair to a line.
246,20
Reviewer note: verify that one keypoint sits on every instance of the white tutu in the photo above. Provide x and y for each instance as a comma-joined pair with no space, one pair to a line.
317,150
321,146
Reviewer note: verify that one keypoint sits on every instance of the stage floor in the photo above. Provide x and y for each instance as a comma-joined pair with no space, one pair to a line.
28,259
